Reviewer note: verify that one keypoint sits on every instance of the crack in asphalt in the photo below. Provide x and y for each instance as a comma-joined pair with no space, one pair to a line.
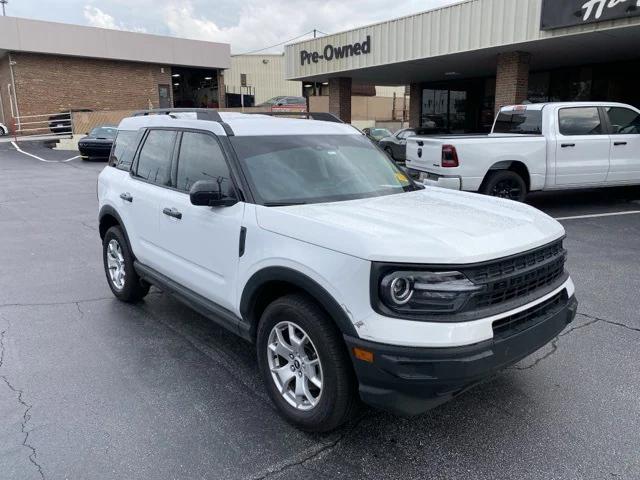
554,342
610,322
50,304
315,453
33,456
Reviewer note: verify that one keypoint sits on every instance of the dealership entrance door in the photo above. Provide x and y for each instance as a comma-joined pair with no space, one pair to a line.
454,107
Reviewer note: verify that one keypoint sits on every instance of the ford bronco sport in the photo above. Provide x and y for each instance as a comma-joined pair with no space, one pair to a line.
352,281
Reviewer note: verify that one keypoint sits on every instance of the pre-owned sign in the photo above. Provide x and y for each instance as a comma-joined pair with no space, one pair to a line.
567,13
329,52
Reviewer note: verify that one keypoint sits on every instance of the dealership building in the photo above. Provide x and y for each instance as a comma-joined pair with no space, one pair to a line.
50,67
465,60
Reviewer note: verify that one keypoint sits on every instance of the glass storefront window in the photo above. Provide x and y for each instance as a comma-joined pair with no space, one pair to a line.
444,110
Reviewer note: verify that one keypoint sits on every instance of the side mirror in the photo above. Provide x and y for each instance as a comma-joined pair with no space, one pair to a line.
212,194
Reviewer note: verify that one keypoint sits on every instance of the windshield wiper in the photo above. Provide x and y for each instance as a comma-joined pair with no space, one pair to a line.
282,204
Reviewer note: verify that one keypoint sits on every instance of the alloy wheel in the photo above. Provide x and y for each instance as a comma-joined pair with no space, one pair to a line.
115,264
507,188
295,365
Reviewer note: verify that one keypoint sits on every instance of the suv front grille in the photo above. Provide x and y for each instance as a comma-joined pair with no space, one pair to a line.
518,322
517,276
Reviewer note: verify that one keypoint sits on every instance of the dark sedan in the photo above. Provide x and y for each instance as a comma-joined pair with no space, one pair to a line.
377,134
97,144
396,144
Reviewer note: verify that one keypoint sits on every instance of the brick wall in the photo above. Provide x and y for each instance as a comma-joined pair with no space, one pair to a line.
51,83
512,78
340,98
5,78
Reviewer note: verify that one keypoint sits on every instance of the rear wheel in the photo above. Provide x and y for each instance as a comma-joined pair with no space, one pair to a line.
304,364
505,184
118,266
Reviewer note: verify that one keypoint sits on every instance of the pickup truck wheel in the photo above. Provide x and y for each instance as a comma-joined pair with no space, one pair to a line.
122,278
505,184
304,364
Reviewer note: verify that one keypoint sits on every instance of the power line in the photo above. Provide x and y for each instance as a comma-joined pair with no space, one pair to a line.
281,43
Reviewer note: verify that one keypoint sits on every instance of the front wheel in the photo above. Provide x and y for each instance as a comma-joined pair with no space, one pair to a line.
505,184
118,266
304,364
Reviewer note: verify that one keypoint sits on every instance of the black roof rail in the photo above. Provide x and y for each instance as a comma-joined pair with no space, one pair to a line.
323,116
201,114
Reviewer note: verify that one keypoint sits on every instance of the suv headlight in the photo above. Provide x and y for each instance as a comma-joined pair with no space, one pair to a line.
416,292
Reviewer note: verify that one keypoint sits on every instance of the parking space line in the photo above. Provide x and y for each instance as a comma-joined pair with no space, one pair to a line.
597,215
15,145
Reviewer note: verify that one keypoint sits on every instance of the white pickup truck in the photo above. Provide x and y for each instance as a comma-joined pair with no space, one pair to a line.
547,146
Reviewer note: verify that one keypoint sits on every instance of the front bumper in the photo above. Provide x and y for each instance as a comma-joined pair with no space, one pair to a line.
410,381
92,151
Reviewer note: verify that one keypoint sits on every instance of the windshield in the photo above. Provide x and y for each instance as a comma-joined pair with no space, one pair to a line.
380,133
273,101
104,132
297,169
528,122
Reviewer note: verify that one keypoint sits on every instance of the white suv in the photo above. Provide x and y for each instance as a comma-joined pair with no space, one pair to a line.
304,238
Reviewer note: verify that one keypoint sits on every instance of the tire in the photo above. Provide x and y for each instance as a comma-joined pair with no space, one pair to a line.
323,409
116,254
505,184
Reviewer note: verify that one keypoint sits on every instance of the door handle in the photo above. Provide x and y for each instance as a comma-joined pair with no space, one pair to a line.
172,212
617,144
126,197
565,145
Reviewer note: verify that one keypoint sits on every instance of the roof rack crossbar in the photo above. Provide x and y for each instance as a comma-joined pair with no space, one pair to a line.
201,114
323,116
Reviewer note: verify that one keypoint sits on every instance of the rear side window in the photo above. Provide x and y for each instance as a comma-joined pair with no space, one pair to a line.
624,121
580,121
528,122
123,150
154,161
200,158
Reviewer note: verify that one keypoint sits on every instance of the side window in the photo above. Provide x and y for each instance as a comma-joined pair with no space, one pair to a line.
624,121
154,161
123,149
580,121
200,158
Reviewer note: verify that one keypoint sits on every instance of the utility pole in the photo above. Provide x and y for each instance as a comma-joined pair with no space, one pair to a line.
4,2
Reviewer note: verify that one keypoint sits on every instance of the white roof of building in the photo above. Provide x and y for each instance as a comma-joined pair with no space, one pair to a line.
35,36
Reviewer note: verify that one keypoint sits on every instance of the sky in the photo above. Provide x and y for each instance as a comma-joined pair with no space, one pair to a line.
248,25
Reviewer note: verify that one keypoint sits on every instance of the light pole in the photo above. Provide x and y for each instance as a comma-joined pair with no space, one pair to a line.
4,2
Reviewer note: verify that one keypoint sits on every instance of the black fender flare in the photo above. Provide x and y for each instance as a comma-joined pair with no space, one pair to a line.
302,282
109,210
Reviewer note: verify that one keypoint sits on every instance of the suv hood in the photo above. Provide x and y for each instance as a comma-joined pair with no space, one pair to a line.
434,226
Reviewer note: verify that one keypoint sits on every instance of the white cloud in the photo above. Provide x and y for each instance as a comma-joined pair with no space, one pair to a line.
263,23
97,18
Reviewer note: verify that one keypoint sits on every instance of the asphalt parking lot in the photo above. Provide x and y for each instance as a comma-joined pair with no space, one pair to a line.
91,388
